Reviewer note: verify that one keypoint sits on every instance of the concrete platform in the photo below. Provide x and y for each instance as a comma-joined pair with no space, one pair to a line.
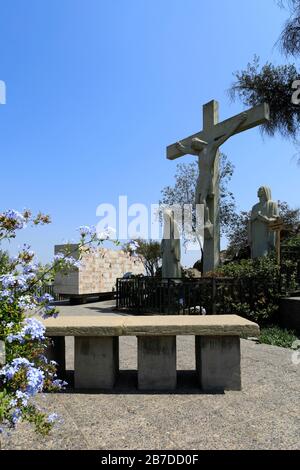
264,415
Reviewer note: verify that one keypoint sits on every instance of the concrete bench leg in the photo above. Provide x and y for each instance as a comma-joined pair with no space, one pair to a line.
96,361
56,351
218,362
157,363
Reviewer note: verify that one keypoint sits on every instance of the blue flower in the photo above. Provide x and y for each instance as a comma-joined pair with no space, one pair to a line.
52,417
13,281
25,302
32,328
68,261
30,268
34,376
16,217
60,384
45,298
22,396
86,230
16,415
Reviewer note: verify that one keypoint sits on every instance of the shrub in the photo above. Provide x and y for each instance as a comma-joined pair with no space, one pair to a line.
26,370
258,300
277,336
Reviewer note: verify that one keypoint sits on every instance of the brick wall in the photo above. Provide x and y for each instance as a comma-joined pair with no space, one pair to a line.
98,272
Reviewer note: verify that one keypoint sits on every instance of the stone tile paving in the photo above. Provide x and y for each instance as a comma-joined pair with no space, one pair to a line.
264,415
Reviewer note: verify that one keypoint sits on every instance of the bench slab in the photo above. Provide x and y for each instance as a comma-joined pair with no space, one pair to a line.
156,325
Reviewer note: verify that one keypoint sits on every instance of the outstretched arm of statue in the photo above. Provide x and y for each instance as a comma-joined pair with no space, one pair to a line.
185,149
235,126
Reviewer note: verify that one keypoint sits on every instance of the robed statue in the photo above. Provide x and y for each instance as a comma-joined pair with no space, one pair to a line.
170,247
262,239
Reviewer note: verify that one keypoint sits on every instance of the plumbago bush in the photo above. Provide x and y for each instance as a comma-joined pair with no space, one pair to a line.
26,370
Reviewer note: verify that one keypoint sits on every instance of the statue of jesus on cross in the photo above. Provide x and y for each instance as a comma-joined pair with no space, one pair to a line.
206,153
205,145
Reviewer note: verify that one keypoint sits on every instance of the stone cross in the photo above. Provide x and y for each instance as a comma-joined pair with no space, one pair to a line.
205,145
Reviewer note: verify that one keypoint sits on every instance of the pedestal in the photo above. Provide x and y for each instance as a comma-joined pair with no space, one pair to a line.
157,363
218,362
96,362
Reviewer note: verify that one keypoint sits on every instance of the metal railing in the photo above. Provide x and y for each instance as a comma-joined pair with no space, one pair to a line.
49,289
192,296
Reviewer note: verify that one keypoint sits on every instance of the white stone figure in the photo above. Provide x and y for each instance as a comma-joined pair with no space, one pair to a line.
261,239
170,247
206,153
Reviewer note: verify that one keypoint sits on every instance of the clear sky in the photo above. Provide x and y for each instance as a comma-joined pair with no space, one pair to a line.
96,89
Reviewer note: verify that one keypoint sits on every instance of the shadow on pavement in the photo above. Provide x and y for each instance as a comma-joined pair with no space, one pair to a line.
126,384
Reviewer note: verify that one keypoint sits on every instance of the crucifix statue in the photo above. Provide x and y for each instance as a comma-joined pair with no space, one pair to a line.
205,145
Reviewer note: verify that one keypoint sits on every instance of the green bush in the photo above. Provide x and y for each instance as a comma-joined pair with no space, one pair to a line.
258,300
293,242
277,336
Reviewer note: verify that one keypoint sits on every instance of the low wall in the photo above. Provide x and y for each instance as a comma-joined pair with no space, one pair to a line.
98,272
289,312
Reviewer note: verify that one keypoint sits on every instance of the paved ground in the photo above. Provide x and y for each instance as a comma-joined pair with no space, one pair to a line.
265,415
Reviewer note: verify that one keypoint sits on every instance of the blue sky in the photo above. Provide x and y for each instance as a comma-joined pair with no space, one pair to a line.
96,90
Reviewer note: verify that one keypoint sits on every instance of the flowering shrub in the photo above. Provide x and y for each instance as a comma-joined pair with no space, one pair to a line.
27,370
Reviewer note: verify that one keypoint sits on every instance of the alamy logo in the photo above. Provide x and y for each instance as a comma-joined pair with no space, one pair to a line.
2,92
296,95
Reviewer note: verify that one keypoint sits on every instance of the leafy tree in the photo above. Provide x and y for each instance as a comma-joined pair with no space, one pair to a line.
273,84
183,191
290,36
237,235
148,251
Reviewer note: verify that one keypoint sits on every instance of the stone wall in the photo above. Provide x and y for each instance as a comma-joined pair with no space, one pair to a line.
98,272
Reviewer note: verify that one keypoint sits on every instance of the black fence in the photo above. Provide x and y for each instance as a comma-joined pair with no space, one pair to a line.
193,296
49,289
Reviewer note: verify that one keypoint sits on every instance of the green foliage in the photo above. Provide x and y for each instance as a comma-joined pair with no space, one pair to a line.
265,267
259,298
4,406
290,36
293,242
277,336
237,235
271,84
4,262
148,251
290,218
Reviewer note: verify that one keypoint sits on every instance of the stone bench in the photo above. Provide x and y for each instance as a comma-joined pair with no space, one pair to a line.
217,348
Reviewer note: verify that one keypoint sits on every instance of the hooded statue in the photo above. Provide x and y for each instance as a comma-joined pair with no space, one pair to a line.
262,240
170,247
